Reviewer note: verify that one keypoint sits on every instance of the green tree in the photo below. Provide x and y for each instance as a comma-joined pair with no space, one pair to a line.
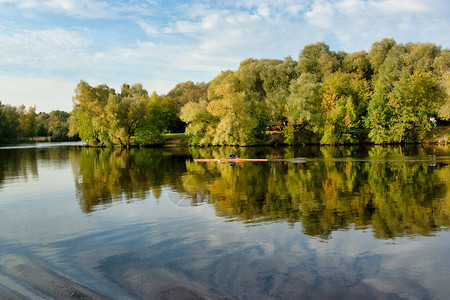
277,76
343,106
125,112
387,57
42,121
379,51
9,123
27,121
170,114
188,91
444,110
359,63
3,123
58,125
89,118
199,121
318,59
303,107
441,67
153,123
414,99
235,111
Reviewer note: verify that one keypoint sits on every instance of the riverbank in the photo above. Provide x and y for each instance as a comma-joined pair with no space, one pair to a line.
439,135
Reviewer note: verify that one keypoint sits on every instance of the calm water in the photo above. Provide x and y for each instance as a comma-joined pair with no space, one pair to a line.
338,223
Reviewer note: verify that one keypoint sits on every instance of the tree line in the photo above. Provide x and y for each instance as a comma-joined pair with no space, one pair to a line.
19,123
102,117
386,95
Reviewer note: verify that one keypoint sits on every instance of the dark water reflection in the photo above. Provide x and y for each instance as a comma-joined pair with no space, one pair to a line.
391,191
353,222
107,175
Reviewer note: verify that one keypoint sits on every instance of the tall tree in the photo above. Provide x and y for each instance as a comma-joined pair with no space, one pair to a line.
27,121
277,76
343,107
444,110
359,63
235,110
379,51
9,123
188,91
420,57
318,59
125,113
414,100
387,56
57,125
303,106
89,118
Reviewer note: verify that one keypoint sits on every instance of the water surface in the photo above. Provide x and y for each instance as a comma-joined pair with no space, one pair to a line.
348,222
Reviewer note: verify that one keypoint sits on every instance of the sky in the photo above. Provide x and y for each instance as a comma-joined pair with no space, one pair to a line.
48,46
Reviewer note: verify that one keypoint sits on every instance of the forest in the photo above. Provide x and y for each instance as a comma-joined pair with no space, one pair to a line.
18,124
386,95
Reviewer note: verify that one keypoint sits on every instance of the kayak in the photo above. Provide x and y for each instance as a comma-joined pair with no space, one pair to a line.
237,160
230,160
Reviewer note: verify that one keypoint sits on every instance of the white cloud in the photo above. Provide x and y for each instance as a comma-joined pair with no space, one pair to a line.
357,23
195,41
52,49
84,8
148,29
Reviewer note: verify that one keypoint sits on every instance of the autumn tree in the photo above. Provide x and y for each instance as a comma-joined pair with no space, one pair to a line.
343,107
89,117
125,112
234,109
199,121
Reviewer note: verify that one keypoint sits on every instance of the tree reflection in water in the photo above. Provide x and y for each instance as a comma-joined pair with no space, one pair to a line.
107,175
394,191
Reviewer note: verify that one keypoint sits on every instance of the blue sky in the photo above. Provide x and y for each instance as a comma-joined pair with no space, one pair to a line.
47,46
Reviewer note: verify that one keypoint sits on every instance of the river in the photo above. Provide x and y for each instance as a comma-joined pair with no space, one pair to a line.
317,223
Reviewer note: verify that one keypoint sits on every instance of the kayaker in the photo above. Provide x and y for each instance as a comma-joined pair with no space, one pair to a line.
433,120
231,155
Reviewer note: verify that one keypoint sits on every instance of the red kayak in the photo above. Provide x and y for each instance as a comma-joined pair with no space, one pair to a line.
296,160
230,160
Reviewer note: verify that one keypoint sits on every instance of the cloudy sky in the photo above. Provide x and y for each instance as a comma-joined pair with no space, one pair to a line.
47,46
